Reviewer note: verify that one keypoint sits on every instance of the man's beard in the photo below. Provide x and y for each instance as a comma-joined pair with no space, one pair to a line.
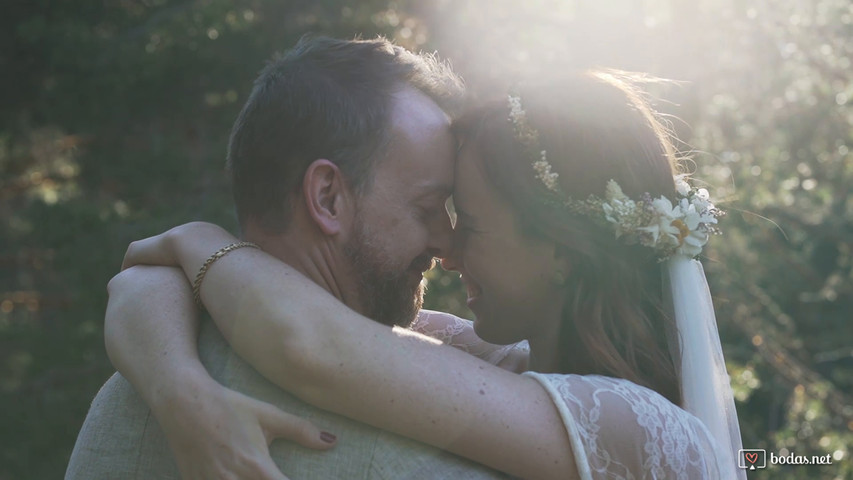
387,293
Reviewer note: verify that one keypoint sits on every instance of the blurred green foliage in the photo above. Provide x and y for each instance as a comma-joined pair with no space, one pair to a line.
116,115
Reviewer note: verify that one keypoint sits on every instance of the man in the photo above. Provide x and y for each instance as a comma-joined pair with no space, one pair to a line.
342,160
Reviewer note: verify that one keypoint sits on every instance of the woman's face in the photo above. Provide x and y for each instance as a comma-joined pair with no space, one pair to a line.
509,275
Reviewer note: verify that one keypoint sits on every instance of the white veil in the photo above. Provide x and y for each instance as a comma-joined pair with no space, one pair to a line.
695,346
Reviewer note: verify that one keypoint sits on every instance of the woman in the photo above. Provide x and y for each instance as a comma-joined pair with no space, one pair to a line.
570,189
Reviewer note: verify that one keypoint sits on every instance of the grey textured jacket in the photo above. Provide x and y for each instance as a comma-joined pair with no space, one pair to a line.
121,439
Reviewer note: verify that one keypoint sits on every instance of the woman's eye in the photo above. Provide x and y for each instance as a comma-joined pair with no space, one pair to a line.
463,228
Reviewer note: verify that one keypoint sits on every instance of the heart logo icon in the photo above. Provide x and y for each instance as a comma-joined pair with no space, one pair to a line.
751,457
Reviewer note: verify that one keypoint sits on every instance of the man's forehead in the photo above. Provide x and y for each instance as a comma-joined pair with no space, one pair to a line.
411,107
420,156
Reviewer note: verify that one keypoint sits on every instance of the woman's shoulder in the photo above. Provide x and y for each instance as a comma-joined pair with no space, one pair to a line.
616,398
619,428
597,388
575,386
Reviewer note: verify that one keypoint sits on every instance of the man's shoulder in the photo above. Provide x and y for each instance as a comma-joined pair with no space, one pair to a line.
120,438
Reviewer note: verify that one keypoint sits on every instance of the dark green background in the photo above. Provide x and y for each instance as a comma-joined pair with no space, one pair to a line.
114,117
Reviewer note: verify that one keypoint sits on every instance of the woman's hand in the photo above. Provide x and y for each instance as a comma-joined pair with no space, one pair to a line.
216,432
185,246
158,250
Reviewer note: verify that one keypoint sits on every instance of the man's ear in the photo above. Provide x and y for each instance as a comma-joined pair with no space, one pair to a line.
327,196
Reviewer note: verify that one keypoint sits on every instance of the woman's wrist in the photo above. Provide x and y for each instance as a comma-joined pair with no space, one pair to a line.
181,389
194,242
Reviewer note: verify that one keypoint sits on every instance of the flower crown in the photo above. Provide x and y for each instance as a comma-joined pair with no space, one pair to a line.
682,228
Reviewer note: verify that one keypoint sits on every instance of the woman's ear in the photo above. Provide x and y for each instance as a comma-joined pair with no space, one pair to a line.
327,196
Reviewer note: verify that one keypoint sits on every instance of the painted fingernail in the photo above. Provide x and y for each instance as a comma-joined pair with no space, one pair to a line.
327,437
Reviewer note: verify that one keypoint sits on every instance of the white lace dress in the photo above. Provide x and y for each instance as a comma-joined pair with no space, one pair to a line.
618,430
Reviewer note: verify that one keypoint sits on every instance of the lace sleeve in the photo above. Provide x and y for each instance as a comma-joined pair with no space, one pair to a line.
620,430
459,333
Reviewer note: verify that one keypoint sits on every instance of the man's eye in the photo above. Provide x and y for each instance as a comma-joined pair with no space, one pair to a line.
425,213
431,211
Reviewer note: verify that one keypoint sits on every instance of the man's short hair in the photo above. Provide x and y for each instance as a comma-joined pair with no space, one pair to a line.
325,98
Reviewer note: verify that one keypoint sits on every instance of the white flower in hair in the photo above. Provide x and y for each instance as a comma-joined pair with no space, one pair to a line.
614,192
680,228
516,113
544,173
701,199
662,228
667,228
619,210
681,186
691,244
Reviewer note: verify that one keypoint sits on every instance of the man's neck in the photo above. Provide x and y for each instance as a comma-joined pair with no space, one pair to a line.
317,260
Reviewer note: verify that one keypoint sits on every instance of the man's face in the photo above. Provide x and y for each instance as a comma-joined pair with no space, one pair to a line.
402,222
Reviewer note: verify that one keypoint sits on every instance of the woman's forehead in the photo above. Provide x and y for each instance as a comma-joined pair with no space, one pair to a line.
470,184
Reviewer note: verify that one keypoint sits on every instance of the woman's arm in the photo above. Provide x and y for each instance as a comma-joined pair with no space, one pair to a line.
151,327
146,351
395,379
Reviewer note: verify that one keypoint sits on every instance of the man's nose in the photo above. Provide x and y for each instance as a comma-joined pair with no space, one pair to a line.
450,256
441,238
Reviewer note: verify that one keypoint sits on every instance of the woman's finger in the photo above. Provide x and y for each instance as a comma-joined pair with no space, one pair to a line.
279,424
148,251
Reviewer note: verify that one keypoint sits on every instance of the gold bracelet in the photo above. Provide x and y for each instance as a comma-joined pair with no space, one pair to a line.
207,263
